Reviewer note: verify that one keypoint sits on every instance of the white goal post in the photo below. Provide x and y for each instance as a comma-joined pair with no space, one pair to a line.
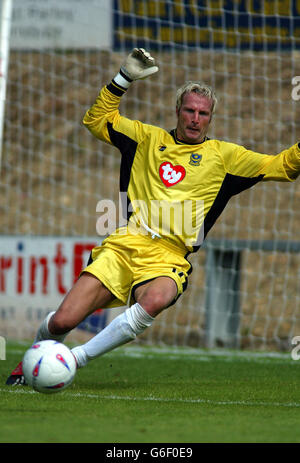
244,290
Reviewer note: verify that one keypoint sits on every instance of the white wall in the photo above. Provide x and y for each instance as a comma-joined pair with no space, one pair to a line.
39,24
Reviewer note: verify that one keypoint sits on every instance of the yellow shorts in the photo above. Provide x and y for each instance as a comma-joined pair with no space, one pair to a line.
125,261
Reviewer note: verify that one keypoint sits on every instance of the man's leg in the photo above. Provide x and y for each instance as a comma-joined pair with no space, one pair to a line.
87,295
156,295
152,298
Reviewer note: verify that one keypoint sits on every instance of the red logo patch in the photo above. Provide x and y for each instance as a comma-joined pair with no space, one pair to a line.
170,174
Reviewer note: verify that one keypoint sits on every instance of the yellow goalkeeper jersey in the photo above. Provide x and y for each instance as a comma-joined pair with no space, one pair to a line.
176,191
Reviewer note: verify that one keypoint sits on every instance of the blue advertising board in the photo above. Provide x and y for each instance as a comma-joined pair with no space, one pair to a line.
209,24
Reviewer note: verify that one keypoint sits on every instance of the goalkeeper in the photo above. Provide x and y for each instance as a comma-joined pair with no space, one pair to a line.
143,265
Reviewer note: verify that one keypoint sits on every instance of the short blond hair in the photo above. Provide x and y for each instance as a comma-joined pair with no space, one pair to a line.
198,87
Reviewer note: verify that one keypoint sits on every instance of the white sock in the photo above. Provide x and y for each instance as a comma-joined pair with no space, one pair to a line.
43,332
122,329
138,318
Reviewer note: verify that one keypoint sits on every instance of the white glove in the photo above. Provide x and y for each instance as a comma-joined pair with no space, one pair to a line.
139,64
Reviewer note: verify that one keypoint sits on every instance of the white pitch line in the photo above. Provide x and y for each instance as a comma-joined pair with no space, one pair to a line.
199,355
161,399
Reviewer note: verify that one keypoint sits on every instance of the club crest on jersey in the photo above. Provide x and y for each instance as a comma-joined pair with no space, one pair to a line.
170,175
195,159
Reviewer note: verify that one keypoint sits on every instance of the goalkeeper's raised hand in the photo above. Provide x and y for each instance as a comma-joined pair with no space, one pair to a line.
139,64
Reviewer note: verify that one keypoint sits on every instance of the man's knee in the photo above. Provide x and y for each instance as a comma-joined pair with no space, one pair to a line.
156,297
152,301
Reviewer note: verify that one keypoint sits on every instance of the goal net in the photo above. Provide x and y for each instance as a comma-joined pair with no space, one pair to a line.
244,290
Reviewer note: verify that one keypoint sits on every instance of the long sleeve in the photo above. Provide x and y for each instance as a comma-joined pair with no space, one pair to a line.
284,166
104,121
104,110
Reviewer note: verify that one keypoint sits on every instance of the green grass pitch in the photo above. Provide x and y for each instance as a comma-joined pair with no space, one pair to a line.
159,395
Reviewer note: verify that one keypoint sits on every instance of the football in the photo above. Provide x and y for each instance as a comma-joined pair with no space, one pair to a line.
49,366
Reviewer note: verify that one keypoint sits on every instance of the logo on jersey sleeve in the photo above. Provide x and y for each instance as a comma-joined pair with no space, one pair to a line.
170,174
